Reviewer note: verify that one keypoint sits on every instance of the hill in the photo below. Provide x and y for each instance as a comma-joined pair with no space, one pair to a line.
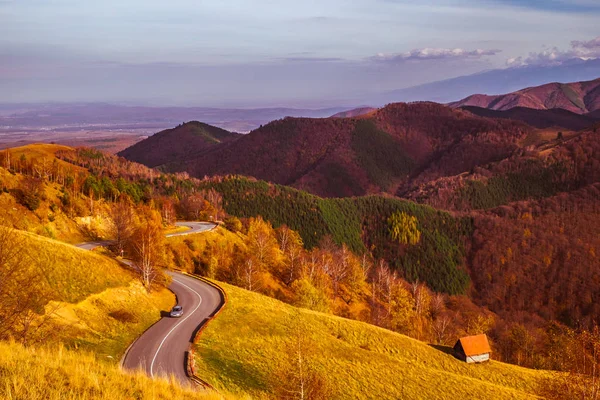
379,152
182,142
252,348
556,117
354,113
62,294
493,81
61,374
577,97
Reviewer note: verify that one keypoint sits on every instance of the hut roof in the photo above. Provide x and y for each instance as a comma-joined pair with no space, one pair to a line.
475,345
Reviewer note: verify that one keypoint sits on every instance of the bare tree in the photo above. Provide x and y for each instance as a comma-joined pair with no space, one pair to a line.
122,219
148,251
440,328
251,275
298,378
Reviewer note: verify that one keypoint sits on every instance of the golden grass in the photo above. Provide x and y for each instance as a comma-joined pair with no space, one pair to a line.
71,274
241,349
60,374
42,151
106,323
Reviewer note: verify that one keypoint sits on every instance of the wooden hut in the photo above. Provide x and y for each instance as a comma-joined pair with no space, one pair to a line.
473,349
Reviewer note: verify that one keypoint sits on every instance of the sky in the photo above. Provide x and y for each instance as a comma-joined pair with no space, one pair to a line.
273,52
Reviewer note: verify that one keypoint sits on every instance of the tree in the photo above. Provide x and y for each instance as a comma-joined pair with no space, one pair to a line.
233,224
193,206
31,192
216,201
167,210
308,296
299,378
122,218
403,228
263,245
291,245
147,247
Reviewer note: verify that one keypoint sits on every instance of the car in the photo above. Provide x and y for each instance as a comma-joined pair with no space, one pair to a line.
176,312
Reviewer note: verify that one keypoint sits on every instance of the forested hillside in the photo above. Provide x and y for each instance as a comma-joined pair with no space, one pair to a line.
532,263
377,152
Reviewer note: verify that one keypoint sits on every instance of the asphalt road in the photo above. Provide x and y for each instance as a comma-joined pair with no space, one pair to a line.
195,227
160,351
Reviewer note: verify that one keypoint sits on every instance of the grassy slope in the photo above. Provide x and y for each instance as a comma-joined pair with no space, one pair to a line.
43,221
57,374
96,303
240,350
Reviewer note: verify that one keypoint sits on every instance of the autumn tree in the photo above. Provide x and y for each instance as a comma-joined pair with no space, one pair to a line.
306,295
292,247
299,378
403,228
123,221
214,198
147,248
193,206
31,191
167,210
263,246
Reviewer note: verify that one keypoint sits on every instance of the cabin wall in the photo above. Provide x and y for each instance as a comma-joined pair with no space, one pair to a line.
478,358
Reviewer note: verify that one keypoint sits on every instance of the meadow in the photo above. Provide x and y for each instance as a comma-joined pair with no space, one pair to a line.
60,374
254,343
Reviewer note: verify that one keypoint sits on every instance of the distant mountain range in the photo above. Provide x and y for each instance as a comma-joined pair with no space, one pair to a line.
396,149
495,81
557,117
577,97
382,151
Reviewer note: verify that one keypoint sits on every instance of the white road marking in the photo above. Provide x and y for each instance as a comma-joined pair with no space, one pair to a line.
175,327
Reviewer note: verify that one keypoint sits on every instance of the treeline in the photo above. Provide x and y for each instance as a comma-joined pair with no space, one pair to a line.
328,278
530,263
555,167
361,223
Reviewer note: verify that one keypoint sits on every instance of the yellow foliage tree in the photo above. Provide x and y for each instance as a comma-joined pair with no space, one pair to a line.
403,228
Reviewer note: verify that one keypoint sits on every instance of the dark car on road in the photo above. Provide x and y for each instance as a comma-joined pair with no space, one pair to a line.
176,312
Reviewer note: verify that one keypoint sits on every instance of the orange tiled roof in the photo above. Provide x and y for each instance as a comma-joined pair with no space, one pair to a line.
475,345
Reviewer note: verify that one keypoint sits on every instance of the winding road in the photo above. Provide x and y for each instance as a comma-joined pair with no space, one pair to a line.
161,350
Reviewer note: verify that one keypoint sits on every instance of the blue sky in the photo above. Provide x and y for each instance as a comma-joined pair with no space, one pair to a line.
198,52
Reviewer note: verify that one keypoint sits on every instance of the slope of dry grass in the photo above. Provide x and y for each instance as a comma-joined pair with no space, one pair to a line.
242,349
60,374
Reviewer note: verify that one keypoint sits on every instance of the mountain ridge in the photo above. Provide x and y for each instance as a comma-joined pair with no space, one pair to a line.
577,97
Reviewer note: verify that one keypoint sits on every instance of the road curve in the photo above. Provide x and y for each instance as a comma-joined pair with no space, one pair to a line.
160,351
195,227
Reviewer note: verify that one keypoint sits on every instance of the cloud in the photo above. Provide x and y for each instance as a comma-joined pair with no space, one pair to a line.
593,44
310,59
580,50
434,54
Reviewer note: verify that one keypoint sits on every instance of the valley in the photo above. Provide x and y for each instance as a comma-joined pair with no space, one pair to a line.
381,236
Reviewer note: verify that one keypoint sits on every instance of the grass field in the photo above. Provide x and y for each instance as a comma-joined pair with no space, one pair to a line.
70,274
60,374
106,323
94,303
241,349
